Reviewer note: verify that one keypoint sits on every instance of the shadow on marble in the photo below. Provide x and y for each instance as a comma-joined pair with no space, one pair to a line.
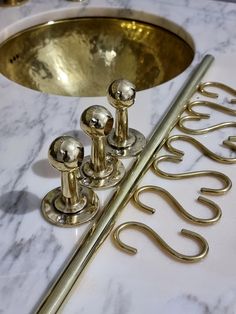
19,202
42,168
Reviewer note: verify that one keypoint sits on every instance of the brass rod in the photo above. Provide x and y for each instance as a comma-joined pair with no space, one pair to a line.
104,224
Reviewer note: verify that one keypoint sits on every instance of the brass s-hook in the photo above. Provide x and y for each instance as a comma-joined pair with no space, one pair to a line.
224,87
179,208
209,104
199,146
197,116
230,142
159,241
227,184
203,130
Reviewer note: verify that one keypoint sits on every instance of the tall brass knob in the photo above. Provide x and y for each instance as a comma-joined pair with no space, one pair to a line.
123,141
100,170
71,204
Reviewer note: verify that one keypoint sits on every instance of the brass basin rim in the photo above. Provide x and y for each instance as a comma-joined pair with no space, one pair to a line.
44,18
139,57
188,41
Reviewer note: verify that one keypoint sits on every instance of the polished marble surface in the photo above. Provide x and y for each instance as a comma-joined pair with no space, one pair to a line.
32,251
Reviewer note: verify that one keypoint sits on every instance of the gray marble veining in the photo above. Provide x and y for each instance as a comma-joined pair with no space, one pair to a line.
32,252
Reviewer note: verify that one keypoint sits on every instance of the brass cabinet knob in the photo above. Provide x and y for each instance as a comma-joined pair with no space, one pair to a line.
100,170
123,141
71,204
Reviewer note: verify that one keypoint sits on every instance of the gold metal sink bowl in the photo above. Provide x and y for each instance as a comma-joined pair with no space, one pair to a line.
81,56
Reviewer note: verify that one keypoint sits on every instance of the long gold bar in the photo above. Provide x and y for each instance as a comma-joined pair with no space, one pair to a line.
102,227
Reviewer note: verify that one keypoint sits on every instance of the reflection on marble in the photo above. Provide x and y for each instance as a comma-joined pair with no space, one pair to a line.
32,251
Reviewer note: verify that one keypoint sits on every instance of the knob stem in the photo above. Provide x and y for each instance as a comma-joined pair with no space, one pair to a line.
70,190
98,154
121,134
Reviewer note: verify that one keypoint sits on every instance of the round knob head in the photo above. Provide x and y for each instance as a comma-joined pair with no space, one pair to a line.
121,94
66,153
96,121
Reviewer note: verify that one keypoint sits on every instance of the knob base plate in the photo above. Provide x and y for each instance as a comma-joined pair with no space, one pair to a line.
63,219
95,182
129,151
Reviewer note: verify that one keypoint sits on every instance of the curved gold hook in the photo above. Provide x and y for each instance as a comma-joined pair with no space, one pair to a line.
224,87
177,206
199,146
227,184
209,104
203,130
231,142
159,241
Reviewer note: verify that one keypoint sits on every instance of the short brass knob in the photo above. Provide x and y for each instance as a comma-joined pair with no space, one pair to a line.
123,141
100,170
71,204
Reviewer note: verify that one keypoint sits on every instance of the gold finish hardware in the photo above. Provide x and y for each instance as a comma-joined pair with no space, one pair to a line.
209,104
123,141
70,205
224,87
179,208
197,116
159,241
203,130
82,56
199,146
101,170
102,227
11,3
231,142
227,184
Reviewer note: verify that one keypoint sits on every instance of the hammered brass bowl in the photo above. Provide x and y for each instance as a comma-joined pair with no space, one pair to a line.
81,56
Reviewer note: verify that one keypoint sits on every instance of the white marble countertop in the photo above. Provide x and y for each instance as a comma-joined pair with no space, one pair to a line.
32,251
